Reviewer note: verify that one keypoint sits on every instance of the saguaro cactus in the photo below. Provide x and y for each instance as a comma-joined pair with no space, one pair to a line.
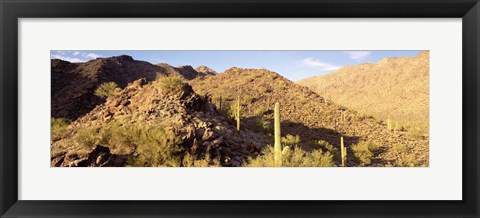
278,144
220,103
343,150
389,124
238,114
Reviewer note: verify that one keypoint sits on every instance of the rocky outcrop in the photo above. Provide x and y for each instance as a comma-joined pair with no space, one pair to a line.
191,117
100,156
205,70
73,84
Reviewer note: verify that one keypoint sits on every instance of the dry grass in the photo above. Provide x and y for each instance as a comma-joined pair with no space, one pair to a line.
293,157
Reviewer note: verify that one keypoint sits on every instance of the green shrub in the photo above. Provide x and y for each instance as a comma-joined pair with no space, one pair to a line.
400,148
157,146
281,85
263,89
154,145
260,124
364,151
260,110
323,145
170,84
190,161
87,137
119,137
107,89
228,109
58,128
293,157
291,141
407,160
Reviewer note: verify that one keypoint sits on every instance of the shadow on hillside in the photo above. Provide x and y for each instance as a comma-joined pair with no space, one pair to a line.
72,96
308,135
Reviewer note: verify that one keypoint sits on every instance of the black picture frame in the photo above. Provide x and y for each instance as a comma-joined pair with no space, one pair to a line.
12,10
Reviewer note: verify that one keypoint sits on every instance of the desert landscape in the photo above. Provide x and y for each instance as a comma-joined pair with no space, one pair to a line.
116,111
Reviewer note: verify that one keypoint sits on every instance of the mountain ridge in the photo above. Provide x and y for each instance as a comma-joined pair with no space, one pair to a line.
395,88
73,84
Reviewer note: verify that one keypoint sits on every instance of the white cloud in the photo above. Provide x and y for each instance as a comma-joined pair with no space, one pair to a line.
74,56
320,65
355,55
69,59
93,55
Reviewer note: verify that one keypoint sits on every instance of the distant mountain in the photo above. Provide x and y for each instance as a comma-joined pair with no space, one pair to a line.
73,84
395,88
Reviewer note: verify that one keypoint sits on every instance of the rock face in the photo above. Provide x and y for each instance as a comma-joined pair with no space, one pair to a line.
189,116
73,84
205,70
305,113
187,71
100,156
395,88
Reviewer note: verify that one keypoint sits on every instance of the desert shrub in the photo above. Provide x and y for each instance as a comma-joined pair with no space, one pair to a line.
248,99
232,111
154,145
265,124
364,151
228,110
416,132
323,145
170,84
400,148
281,85
260,110
407,160
293,157
263,89
107,89
303,99
157,146
290,140
119,137
247,79
87,137
191,161
273,75
58,128
260,124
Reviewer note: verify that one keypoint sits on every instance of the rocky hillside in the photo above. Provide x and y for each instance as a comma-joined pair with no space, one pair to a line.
162,123
395,88
308,115
73,84
180,116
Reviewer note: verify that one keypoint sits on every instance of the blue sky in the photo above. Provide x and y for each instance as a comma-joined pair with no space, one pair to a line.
294,65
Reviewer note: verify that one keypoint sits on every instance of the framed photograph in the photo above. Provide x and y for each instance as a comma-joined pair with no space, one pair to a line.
239,108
